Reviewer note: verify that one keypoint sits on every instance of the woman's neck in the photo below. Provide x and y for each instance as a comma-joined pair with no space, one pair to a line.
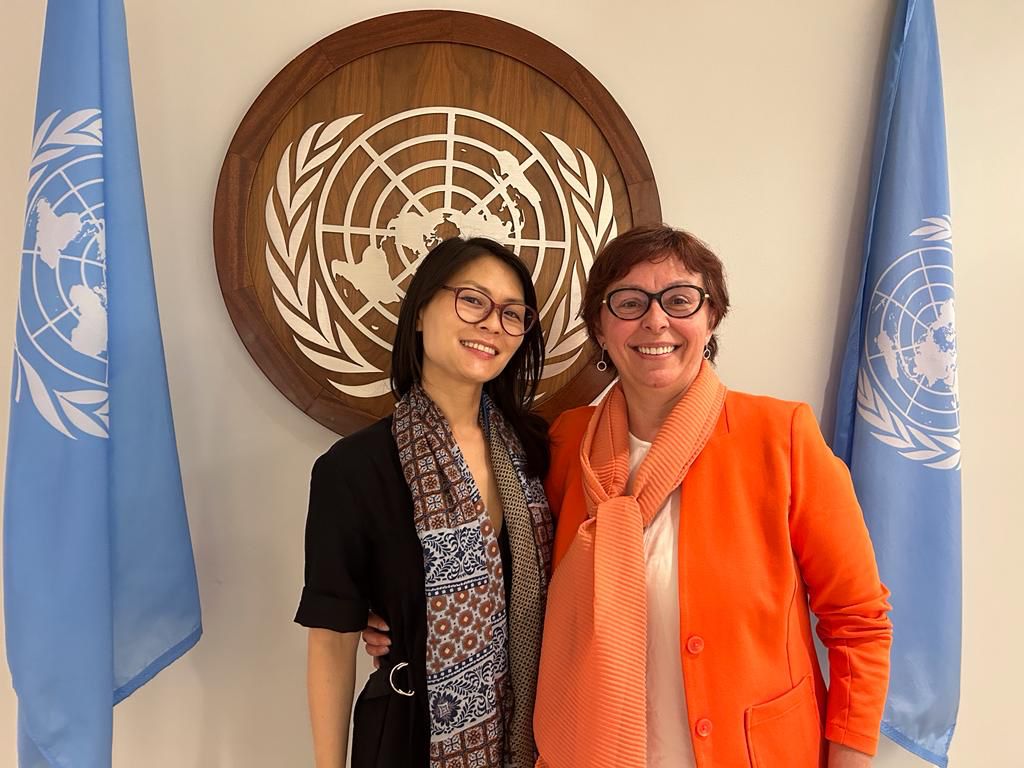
648,410
459,402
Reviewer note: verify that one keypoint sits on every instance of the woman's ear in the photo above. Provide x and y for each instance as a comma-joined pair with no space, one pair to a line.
599,335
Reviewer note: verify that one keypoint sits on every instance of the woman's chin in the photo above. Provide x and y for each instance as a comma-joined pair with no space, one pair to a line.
661,382
480,372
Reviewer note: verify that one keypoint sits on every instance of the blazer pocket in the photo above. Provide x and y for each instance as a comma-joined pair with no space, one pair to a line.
786,731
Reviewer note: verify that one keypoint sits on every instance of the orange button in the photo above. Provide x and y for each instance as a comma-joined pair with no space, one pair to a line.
695,644
703,728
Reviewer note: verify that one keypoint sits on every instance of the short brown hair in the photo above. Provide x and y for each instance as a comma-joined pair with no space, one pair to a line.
654,243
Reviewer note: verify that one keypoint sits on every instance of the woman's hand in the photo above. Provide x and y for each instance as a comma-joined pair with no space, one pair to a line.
376,641
841,756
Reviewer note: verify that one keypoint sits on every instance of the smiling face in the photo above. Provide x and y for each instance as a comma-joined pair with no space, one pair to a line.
656,355
457,353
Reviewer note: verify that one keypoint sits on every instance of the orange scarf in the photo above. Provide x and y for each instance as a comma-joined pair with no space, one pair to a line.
591,698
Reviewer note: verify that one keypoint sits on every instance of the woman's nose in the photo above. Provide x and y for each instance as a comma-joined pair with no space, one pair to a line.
491,321
656,318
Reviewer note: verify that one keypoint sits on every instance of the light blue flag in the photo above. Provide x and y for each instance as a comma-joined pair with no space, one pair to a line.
99,583
898,412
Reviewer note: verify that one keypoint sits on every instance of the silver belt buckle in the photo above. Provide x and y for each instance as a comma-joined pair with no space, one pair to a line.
391,679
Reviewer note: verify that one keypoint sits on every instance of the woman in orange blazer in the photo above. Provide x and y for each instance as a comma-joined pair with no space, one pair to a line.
704,523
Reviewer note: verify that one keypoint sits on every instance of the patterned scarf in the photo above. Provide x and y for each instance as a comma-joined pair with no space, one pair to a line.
591,698
480,681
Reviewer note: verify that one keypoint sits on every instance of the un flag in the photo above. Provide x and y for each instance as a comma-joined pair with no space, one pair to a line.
99,582
898,412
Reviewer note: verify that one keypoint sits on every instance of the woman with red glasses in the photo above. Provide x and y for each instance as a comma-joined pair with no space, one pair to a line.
436,520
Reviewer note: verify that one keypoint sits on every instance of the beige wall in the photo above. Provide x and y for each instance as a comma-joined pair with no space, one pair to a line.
757,120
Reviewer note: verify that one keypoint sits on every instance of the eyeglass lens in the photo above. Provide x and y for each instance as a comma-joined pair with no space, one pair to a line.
677,301
472,306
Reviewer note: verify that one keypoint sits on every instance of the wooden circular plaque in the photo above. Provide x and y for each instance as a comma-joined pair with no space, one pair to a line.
383,139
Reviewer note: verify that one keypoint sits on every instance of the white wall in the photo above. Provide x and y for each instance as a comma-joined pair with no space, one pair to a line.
757,118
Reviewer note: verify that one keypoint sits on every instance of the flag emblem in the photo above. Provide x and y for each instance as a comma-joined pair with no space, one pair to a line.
61,343
907,389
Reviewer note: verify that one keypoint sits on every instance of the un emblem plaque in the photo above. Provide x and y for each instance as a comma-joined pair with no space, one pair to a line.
380,141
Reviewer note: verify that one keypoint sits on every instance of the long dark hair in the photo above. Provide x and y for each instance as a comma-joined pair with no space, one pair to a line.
512,390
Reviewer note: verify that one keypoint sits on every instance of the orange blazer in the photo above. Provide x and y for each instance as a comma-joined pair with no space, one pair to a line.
768,520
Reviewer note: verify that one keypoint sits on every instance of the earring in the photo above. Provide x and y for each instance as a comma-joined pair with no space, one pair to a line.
601,365
707,351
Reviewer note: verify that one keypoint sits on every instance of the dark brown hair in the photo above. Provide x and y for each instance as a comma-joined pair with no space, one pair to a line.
655,243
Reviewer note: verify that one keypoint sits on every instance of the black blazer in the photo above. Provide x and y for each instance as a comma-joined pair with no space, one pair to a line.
362,553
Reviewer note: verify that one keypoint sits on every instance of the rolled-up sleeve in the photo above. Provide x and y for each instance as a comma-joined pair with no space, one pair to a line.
334,594
837,563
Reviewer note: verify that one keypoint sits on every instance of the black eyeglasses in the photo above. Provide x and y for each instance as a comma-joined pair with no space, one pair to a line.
473,306
678,301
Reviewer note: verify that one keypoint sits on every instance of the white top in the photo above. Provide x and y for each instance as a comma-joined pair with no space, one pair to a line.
668,734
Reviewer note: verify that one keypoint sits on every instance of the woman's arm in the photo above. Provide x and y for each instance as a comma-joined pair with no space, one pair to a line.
330,682
837,563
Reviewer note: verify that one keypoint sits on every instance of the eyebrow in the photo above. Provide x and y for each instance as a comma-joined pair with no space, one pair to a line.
482,289
635,287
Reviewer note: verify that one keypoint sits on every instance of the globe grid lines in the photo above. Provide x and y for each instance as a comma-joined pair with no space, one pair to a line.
328,336
88,217
378,165
913,402
449,155
50,324
396,180
479,204
890,297
363,140
62,313
42,184
65,257
377,232
914,317
87,210
71,307
882,302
